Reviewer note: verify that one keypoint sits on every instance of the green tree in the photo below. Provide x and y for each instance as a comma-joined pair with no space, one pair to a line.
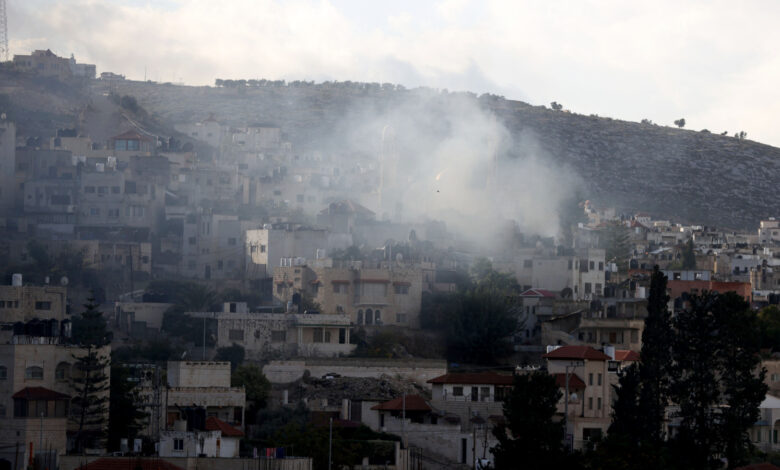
125,418
688,255
571,212
90,381
254,382
719,382
480,328
233,353
741,376
655,360
615,240
531,433
769,325
680,123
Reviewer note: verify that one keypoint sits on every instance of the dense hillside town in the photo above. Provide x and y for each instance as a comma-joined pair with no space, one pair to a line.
212,291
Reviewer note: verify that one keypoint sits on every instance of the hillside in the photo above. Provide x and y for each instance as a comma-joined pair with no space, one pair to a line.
679,174
671,173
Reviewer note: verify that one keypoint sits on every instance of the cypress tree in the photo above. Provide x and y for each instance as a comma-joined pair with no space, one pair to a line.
655,360
89,406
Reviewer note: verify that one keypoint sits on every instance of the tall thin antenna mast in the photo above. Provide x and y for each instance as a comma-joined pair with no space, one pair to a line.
3,33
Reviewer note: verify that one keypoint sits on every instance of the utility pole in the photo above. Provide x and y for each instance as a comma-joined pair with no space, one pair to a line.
403,421
330,443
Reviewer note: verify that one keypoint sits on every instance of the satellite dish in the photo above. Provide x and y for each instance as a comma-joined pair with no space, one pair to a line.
64,281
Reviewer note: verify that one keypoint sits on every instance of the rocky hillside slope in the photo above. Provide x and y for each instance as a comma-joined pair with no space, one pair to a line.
674,173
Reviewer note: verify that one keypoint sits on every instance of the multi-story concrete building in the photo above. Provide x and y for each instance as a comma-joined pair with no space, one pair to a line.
35,392
387,294
589,409
267,247
769,231
583,273
264,335
196,390
19,303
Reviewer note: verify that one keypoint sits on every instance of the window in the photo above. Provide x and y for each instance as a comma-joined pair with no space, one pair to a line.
570,265
34,372
191,240
262,248
253,249
599,379
601,265
102,190
42,305
457,391
369,316
342,335
236,335
299,198
598,288
62,372
327,337
590,379
529,263
94,211
89,189
114,189
590,403
360,322
775,377
317,335
400,318
378,317
339,288
587,287
3,372
598,402
279,336
401,289
591,265
178,444
231,241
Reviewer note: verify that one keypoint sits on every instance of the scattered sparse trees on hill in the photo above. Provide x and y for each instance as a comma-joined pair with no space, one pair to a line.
556,106
680,123
740,135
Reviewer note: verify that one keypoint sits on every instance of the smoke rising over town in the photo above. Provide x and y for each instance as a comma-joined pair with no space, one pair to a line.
327,235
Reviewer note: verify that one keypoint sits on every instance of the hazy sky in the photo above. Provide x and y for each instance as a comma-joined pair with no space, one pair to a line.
713,63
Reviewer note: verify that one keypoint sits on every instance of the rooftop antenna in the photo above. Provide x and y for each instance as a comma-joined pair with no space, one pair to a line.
3,33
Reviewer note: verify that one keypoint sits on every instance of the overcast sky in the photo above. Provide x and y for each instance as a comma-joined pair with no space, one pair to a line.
714,63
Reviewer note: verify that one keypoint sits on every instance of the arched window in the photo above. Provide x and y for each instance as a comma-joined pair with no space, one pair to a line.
62,372
369,316
3,372
360,317
33,372
378,317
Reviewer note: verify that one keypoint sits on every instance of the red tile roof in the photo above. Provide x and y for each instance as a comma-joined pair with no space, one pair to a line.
39,393
575,383
538,293
626,355
480,378
413,403
577,352
129,463
216,424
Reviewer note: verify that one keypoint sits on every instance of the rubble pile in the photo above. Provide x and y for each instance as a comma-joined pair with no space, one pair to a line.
357,388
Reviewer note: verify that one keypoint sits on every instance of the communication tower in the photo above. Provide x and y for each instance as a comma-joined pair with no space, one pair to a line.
3,33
